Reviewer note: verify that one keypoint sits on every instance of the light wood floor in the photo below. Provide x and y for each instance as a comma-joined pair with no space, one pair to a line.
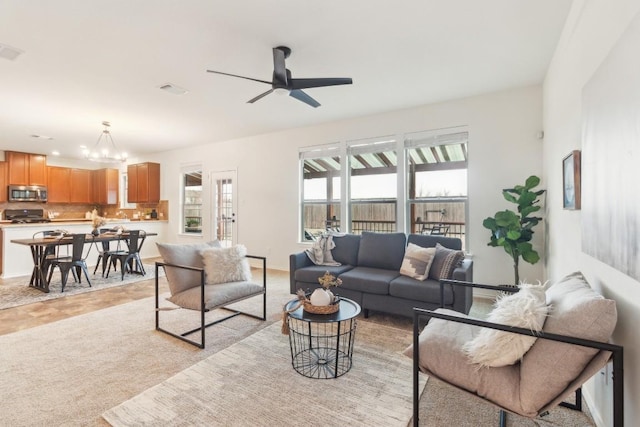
39,313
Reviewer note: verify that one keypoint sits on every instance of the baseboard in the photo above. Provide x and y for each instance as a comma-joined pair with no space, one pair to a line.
593,408
487,294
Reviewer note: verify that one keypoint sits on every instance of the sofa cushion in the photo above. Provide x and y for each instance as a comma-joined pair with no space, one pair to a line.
445,261
222,265
367,279
312,273
346,250
417,290
183,254
526,308
428,241
417,261
381,250
576,310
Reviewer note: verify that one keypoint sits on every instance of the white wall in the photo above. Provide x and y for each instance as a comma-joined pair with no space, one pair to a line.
503,151
592,29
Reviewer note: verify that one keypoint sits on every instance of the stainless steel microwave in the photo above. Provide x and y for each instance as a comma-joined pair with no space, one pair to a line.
27,193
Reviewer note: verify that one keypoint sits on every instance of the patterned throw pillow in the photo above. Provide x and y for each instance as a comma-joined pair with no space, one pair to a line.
445,261
417,261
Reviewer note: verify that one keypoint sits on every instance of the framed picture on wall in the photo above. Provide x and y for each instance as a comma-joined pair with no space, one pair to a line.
571,181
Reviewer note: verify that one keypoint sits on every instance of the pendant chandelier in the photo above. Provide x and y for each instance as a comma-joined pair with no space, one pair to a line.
105,150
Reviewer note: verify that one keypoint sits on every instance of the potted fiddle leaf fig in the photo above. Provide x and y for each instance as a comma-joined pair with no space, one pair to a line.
514,231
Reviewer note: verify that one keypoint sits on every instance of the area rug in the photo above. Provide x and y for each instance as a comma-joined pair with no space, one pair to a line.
253,383
16,291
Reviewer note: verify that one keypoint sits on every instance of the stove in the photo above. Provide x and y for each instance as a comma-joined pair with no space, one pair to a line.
25,216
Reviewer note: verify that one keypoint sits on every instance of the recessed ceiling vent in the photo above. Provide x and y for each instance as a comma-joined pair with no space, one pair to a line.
10,53
171,88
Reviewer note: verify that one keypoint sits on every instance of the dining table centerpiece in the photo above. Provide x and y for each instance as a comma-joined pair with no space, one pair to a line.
97,222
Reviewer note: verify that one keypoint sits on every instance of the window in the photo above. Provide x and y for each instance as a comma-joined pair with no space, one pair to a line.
192,201
416,183
437,183
320,191
373,185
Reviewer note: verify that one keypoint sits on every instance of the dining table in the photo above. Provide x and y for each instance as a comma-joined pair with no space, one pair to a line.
39,245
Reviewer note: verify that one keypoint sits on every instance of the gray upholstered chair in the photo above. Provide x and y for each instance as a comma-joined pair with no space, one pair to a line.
204,277
570,349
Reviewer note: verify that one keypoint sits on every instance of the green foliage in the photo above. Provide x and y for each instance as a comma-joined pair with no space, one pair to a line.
513,231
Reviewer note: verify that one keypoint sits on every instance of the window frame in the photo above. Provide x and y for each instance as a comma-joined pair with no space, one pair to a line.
401,145
184,171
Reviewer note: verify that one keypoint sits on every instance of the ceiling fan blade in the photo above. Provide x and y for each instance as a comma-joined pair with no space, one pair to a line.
301,96
262,95
235,75
321,82
279,68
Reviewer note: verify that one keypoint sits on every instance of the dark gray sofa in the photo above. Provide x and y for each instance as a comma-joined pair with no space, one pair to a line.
370,274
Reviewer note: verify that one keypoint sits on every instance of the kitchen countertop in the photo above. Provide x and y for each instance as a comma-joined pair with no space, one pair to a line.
57,222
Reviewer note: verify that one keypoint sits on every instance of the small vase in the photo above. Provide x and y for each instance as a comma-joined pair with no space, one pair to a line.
332,297
320,297
95,232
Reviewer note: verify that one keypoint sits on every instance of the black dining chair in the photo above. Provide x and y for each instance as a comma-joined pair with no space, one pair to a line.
74,263
48,255
104,253
129,260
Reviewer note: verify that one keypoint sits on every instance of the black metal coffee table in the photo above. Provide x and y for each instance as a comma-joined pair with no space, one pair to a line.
322,344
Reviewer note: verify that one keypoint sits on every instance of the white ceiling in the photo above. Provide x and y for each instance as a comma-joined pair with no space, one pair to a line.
86,61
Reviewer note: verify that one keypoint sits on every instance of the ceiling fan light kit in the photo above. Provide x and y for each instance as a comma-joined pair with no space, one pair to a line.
282,81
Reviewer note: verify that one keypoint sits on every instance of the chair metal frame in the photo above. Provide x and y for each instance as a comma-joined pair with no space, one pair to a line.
203,310
616,350
74,263
131,257
105,253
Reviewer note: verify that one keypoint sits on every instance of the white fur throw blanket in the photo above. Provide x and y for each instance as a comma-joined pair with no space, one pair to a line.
320,252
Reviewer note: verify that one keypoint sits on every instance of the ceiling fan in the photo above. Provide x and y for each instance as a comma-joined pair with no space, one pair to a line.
282,80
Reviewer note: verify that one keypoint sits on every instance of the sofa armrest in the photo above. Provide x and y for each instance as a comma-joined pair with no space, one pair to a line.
297,261
462,296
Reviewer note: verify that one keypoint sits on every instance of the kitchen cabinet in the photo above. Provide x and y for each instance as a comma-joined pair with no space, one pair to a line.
143,183
4,192
81,186
26,168
105,186
59,189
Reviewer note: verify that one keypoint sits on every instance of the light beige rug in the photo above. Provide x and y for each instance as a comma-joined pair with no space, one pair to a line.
253,383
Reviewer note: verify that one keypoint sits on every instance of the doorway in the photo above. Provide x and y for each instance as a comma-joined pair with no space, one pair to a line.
223,185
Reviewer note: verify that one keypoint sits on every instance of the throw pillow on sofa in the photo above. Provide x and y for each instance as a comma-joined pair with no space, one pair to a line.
417,261
444,262
526,308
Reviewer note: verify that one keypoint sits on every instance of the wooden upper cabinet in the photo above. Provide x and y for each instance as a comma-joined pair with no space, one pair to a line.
38,169
143,183
59,189
26,168
81,186
4,192
105,188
